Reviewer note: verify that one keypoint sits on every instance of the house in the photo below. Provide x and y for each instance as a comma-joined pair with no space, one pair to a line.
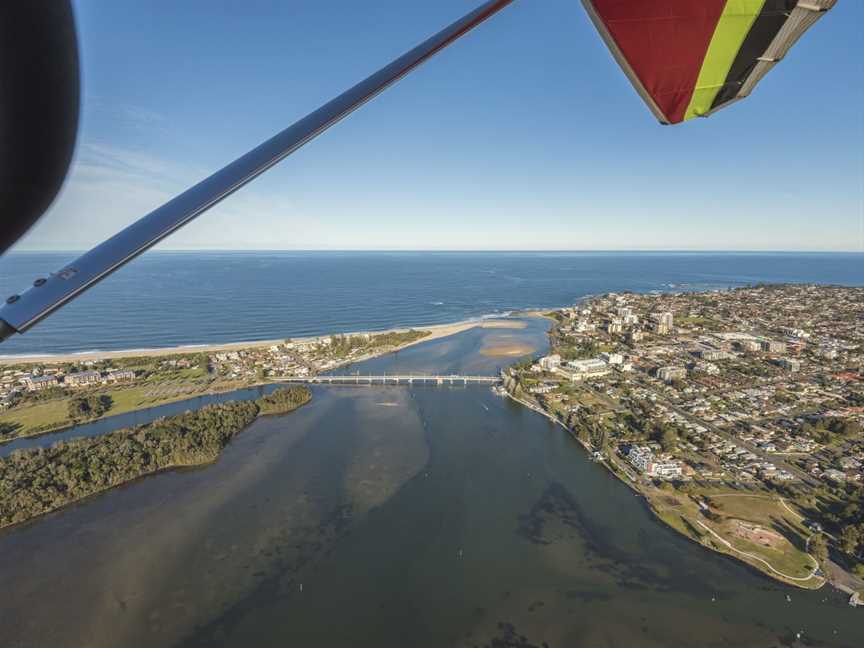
612,358
849,463
83,379
773,346
641,457
40,383
669,374
544,388
550,362
582,369
614,325
710,353
584,326
121,375
829,353
834,475
665,470
708,368
747,345
790,364
644,460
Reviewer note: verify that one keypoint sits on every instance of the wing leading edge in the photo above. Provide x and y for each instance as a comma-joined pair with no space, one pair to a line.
691,58
20,312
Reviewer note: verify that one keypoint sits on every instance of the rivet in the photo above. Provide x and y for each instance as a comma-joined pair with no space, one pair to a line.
13,299
41,281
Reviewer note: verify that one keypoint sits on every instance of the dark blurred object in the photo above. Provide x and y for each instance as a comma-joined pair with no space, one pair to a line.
39,105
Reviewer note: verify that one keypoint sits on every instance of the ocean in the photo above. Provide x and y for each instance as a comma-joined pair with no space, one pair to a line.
171,298
414,516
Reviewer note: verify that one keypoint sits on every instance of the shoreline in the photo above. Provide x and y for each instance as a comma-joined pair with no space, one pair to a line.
436,331
711,424
189,463
731,552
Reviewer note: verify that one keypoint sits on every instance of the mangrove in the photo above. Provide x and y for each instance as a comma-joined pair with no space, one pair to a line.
36,481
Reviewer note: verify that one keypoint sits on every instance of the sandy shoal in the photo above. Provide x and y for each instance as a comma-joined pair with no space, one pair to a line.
435,332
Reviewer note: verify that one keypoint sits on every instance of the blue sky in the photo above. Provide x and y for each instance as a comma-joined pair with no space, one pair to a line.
524,135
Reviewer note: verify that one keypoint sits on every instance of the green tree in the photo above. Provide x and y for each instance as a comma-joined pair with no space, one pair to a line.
666,436
38,480
89,407
686,487
850,538
819,548
284,400
8,428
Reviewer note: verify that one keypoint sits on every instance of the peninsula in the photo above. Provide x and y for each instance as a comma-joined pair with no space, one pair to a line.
41,480
737,414
49,393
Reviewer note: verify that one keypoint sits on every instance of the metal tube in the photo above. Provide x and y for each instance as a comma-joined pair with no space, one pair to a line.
47,295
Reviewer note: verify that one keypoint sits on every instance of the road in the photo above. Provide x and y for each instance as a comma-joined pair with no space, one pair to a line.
767,456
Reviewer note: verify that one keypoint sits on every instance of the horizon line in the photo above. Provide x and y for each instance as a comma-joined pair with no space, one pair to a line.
469,251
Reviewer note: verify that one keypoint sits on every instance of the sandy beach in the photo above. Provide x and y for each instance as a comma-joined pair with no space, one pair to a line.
436,331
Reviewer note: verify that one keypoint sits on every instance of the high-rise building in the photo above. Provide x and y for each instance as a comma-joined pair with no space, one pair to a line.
773,346
662,323
790,364
668,374
550,362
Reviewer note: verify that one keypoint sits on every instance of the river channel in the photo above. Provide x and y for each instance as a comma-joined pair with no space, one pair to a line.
393,516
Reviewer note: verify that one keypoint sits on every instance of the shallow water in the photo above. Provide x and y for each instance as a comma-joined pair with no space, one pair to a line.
131,419
392,516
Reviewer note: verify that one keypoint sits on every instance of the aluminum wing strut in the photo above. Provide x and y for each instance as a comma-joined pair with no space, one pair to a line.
20,312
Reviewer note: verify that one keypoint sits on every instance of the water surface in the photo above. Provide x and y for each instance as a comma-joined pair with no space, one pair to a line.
393,516
168,298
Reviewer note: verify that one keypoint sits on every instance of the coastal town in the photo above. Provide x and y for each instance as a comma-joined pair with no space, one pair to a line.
695,397
42,395
737,414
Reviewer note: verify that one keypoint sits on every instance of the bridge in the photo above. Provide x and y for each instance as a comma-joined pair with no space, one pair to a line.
394,379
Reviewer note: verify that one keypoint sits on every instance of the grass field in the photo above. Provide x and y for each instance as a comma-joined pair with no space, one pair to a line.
595,401
781,536
51,415
150,395
48,415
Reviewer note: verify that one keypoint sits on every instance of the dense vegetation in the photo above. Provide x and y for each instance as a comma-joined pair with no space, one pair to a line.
831,430
89,407
39,480
24,397
8,428
283,400
342,345
841,510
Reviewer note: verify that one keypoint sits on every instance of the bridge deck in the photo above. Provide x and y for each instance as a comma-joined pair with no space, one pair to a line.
395,379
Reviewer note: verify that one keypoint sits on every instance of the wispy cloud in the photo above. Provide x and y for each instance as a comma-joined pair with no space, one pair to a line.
128,116
141,116
110,187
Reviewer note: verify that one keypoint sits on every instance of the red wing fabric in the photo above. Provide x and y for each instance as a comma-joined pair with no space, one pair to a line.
689,58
